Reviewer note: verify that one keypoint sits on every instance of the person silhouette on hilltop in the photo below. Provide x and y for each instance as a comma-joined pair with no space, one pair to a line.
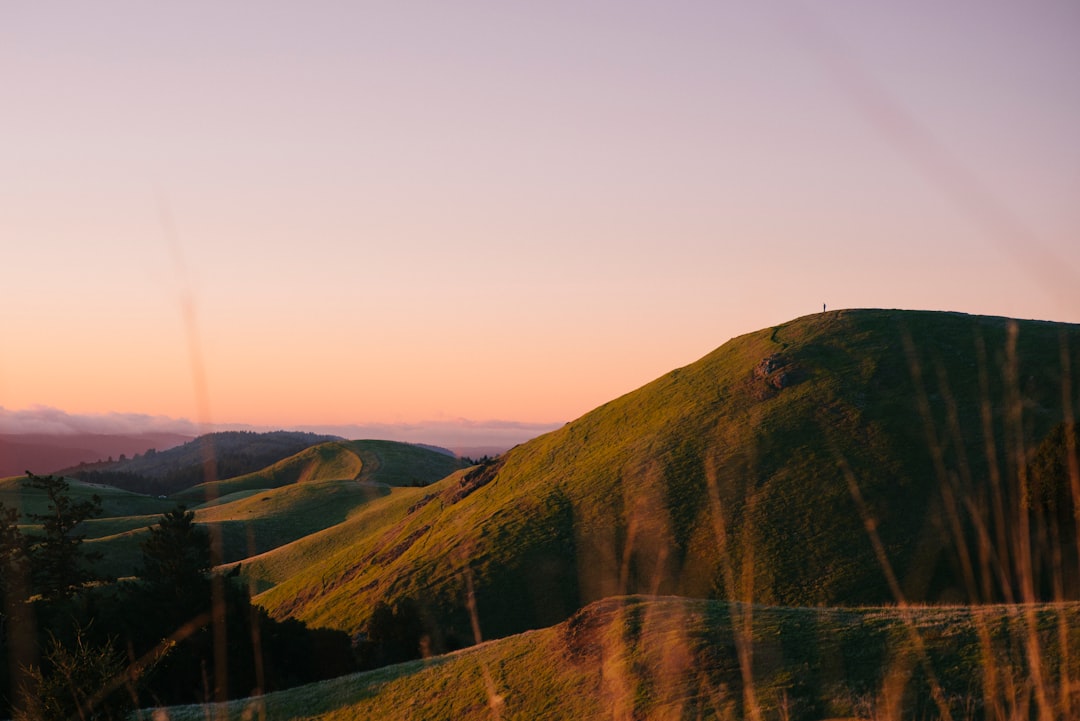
822,307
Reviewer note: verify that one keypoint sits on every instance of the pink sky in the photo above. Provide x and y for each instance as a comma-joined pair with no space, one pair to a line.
402,212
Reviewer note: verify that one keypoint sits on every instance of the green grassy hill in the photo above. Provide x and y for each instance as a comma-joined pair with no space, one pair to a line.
732,530
388,462
677,658
14,493
225,453
311,491
316,489
751,474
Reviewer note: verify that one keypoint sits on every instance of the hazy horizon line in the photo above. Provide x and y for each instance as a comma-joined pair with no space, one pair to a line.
48,420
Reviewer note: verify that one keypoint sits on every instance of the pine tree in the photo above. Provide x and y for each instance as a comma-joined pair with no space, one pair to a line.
176,560
60,566
12,558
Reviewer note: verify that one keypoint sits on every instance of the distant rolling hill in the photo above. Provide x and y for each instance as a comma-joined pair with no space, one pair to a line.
225,454
850,457
304,494
115,502
387,462
316,489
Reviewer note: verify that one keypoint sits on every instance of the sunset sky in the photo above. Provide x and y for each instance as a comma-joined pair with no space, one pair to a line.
286,213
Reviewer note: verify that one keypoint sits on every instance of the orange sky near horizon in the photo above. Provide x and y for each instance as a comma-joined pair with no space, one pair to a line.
480,210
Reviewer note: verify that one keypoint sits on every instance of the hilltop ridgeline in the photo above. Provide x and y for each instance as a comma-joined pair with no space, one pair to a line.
849,457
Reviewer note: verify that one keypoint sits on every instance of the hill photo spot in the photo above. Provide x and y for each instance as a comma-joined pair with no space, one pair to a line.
862,513
540,361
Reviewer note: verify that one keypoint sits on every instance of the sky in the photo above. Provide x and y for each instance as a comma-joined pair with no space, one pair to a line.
397,213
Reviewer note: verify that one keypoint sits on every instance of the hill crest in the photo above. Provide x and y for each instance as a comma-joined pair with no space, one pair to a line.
732,477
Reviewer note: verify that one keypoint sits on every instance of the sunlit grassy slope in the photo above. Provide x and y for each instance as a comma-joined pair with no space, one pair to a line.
676,658
734,477
387,462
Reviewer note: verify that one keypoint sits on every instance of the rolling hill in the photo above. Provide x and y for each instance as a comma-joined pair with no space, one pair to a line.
387,462
221,455
115,502
816,519
313,490
752,474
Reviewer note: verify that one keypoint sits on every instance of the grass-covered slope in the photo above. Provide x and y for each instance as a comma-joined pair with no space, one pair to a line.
674,658
248,523
122,511
302,495
753,473
316,489
16,493
387,462
334,549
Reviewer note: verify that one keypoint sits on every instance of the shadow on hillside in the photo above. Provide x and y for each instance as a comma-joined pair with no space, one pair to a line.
327,697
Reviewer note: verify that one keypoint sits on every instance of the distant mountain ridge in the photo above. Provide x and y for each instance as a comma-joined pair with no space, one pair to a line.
49,453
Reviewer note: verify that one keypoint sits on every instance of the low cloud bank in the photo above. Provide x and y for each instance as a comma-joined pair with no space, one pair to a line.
454,434
450,433
44,420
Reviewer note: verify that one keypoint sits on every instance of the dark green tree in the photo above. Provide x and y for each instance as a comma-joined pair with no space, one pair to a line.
1049,471
176,555
174,581
1052,502
59,564
16,629
394,634
13,561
